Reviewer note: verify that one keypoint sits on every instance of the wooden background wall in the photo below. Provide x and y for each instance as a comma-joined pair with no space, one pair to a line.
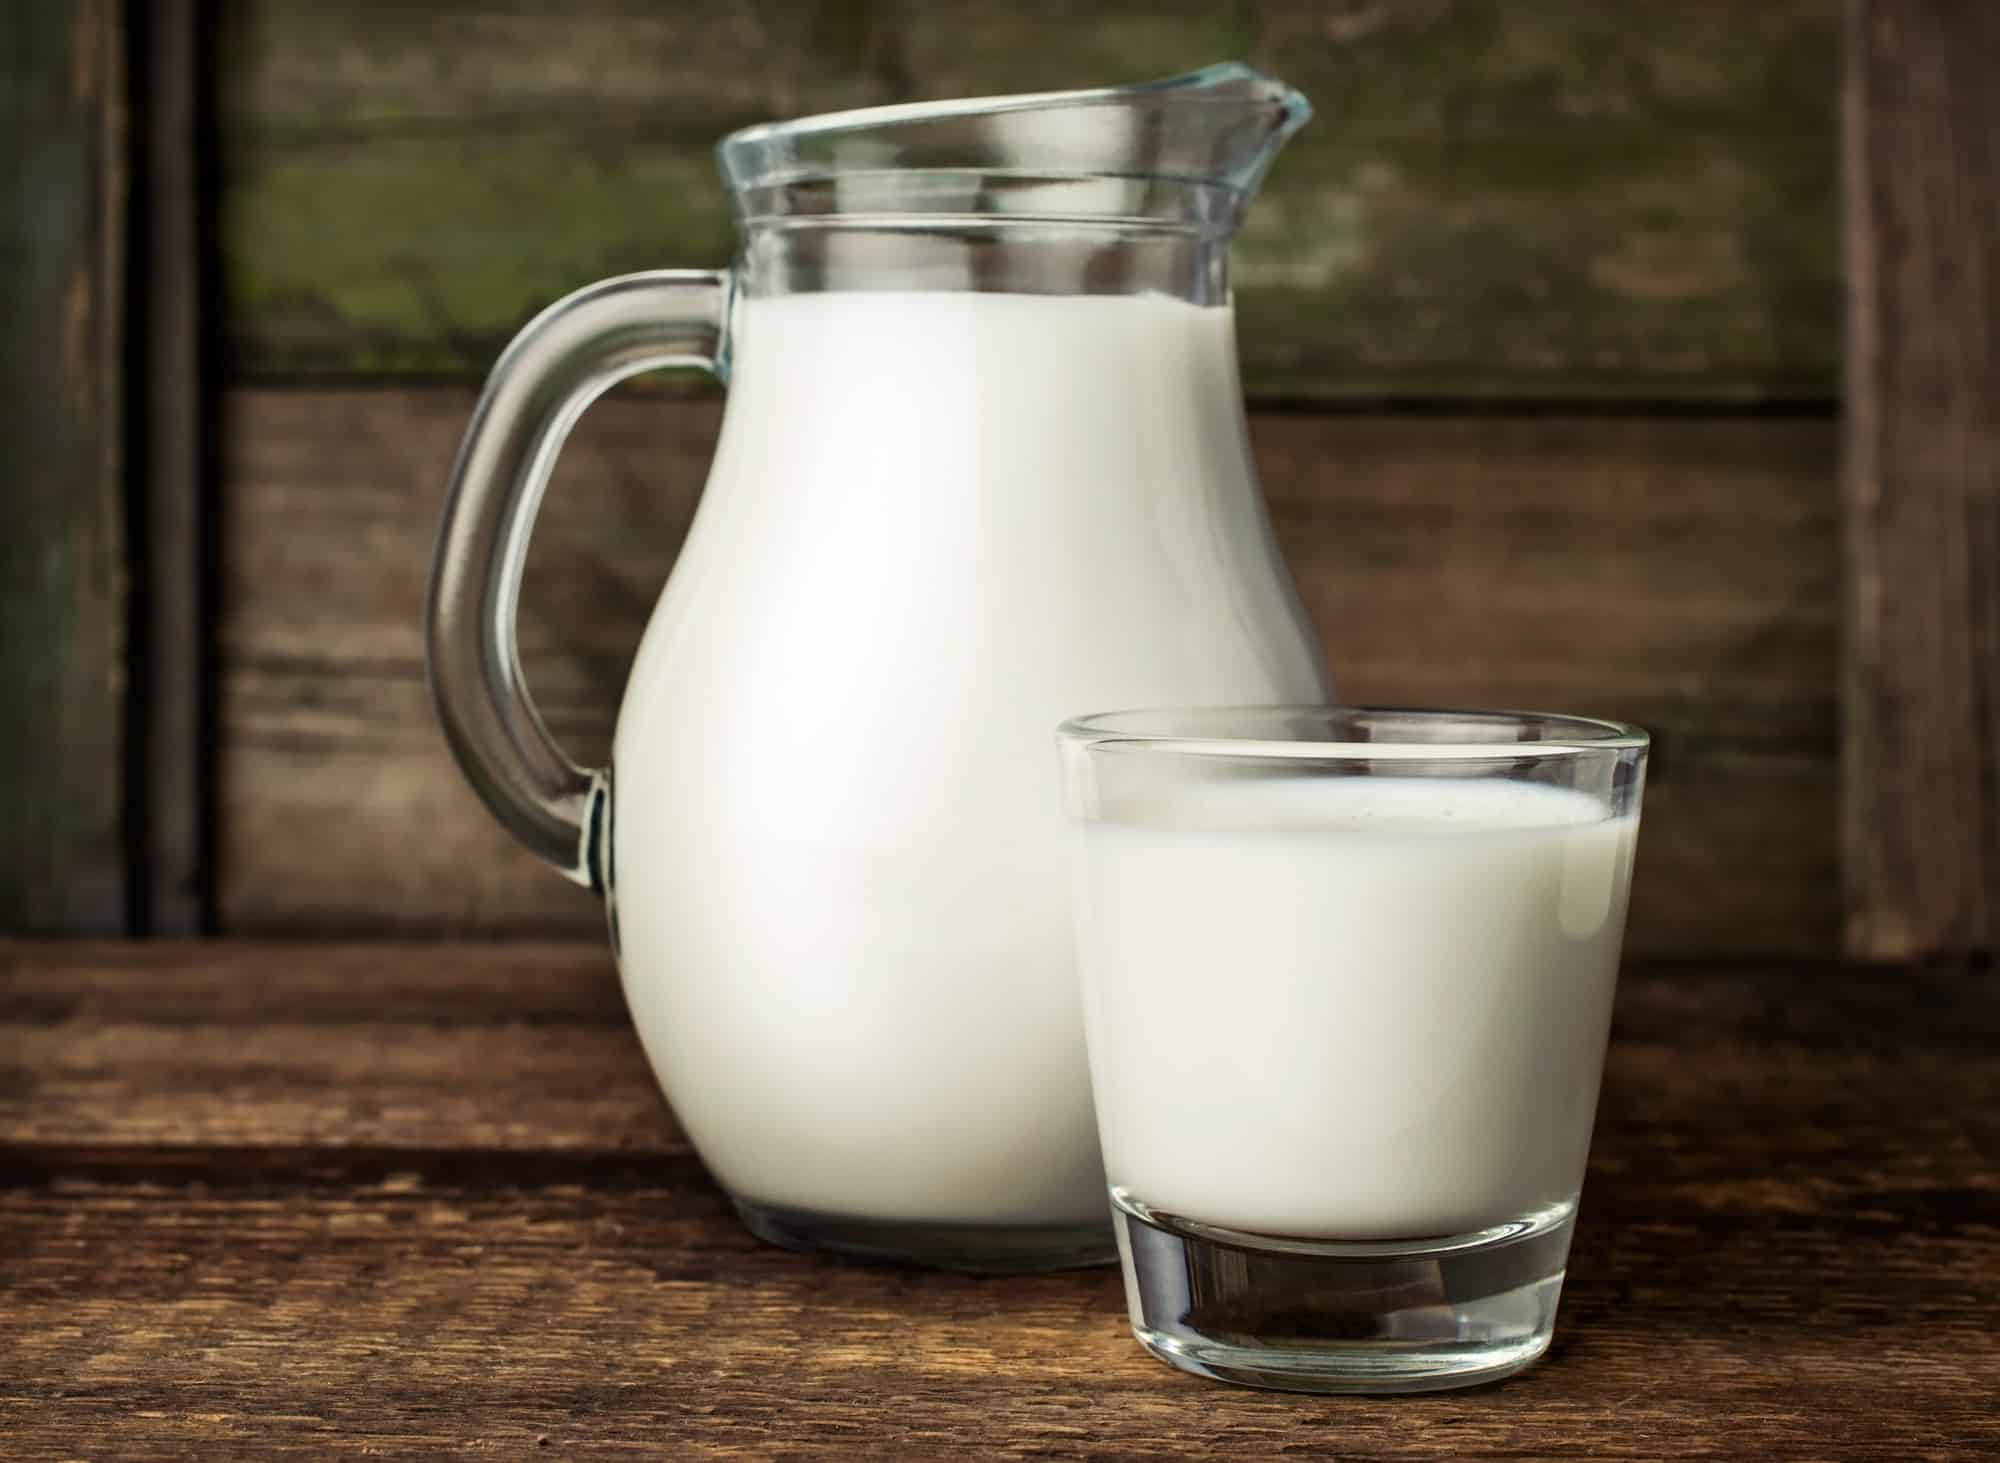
1541,324
62,533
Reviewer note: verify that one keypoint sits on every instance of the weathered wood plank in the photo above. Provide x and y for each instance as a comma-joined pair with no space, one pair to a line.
444,1319
1563,199
1921,808
62,588
168,638
1680,573
1812,1283
381,1049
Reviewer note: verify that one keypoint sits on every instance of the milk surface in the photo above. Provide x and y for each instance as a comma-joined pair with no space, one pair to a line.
936,525
1353,1008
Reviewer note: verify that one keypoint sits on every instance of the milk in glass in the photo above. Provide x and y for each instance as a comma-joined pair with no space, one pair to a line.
1355,1007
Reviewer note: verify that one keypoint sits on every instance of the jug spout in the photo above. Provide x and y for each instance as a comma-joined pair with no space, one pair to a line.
1226,122
1187,152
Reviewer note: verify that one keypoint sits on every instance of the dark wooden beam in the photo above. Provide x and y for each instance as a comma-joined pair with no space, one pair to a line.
168,634
1921,760
62,585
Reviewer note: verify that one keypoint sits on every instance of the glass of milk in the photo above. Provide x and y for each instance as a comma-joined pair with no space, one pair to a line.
1347,977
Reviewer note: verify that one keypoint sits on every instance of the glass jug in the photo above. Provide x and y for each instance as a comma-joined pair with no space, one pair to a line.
982,467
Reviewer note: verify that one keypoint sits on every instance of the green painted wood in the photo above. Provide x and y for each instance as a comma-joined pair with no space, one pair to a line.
1564,199
62,592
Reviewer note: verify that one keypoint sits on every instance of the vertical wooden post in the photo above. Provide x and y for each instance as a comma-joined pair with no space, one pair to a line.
168,633
1921,740
62,591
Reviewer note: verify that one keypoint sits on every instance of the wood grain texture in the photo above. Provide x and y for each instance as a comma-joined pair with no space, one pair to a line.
1788,1248
1561,199
381,1050
1680,573
1921,809
62,588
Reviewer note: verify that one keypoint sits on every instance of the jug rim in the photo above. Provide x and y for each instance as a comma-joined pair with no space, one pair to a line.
1219,126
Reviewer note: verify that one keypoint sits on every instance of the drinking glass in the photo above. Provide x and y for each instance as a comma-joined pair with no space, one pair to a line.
1347,979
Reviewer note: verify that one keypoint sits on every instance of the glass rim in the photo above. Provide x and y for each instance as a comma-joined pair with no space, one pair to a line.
1149,729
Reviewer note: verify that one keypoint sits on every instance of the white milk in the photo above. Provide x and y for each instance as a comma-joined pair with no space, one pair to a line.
937,524
1359,1008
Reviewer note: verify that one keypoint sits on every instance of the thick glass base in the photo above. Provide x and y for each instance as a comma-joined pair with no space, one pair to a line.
979,1249
1312,1316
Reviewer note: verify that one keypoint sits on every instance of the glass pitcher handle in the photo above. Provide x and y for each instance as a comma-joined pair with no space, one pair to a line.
562,361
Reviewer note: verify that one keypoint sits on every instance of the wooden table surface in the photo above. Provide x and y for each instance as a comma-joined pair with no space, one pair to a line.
267,1200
